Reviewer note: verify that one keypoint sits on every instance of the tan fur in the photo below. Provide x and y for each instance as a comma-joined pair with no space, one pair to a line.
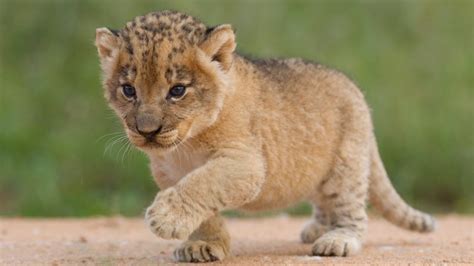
248,134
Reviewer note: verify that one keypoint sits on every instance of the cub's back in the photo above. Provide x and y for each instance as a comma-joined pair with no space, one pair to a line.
298,77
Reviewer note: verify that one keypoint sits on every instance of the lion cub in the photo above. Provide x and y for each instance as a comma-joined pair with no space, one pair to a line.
226,132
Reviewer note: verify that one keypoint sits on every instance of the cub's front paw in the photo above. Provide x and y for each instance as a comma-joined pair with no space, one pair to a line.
201,251
171,217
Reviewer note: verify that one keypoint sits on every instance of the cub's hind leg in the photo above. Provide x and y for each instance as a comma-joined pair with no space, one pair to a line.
316,227
342,196
210,242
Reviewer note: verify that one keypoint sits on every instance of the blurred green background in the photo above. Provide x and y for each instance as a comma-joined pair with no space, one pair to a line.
413,59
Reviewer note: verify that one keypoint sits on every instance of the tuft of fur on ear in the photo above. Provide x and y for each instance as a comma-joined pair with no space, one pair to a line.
219,45
107,42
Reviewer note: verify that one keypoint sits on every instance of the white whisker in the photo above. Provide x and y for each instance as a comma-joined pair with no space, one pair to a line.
115,140
109,135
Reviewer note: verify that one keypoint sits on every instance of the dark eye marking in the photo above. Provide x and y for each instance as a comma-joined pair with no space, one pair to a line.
176,92
129,91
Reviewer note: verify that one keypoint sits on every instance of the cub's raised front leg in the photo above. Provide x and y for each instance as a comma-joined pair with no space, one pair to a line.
230,178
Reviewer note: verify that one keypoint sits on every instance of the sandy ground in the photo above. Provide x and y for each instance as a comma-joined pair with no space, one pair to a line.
116,240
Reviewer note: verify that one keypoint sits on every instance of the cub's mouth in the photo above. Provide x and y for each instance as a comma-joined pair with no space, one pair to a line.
166,139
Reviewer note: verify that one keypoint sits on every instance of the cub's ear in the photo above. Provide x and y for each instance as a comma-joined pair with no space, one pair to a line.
107,42
219,44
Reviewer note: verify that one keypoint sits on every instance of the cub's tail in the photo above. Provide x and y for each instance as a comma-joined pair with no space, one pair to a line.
385,199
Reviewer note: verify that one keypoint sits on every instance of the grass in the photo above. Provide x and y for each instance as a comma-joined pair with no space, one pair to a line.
414,60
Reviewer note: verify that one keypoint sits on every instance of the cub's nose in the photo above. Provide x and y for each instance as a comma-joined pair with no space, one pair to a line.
148,126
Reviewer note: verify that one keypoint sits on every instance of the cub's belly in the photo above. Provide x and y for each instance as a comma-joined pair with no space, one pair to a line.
292,176
283,191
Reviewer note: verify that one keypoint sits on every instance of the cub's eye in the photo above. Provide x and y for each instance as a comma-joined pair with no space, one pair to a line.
177,91
129,91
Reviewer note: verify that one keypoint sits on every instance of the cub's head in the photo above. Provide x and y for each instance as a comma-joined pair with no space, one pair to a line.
165,75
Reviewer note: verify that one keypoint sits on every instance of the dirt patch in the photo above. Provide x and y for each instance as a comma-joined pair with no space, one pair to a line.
254,241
